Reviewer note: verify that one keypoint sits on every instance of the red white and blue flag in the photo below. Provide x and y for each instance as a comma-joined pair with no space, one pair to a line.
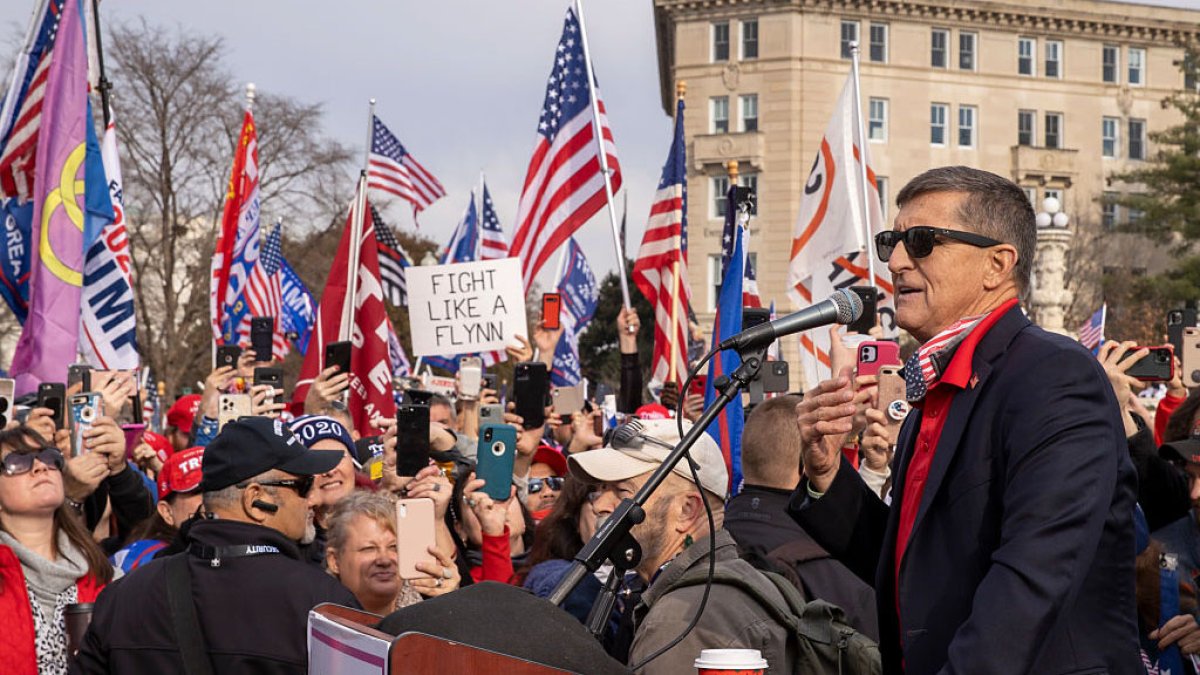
1091,333
464,241
264,290
393,172
564,185
236,250
21,111
393,262
492,242
580,295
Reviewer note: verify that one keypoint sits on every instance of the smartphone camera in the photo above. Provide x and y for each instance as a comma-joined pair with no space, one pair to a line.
498,449
1162,357
487,434
1174,318
867,353
87,414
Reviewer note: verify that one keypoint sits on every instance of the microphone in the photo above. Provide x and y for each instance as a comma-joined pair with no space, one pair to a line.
629,436
842,307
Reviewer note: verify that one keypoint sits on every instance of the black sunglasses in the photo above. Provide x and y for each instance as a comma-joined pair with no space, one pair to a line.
302,485
919,241
553,482
17,463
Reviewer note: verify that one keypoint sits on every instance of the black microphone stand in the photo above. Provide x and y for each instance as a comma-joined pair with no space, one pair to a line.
613,541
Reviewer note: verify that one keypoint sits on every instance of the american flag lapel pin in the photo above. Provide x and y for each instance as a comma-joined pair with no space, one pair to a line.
974,379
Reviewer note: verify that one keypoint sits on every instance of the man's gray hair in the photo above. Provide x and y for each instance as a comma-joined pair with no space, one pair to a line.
995,207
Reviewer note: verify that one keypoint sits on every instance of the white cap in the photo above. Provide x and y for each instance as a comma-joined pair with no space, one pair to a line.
610,465
731,659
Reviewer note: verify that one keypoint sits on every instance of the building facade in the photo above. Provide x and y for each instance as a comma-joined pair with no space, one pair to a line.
1055,94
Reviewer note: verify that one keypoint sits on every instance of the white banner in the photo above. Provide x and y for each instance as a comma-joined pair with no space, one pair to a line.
466,307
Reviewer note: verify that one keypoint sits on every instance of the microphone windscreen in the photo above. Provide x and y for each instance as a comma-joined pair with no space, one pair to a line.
849,305
627,436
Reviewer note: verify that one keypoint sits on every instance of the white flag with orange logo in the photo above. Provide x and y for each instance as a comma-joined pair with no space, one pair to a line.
829,246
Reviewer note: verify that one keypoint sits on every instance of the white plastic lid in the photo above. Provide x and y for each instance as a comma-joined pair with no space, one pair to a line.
730,659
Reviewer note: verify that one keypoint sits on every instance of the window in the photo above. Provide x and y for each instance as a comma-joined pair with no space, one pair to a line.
720,192
720,115
939,42
849,34
1053,130
1031,195
966,126
966,51
720,41
1054,51
1108,136
1137,139
1109,210
881,186
937,123
1111,61
1026,50
1137,66
879,43
749,112
877,119
1191,69
750,39
1136,215
714,281
1026,127
1052,193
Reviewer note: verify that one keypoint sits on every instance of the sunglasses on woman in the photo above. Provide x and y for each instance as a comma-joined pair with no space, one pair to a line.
17,463
919,241
553,482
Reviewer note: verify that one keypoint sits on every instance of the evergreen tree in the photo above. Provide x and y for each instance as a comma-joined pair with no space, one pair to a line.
598,351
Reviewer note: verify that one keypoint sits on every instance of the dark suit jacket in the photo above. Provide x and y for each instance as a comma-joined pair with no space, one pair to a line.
1021,556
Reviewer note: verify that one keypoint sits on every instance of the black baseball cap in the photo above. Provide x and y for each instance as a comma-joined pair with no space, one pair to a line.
1186,451
250,446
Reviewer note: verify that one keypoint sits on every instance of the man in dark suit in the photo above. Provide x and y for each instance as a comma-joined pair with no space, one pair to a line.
1008,545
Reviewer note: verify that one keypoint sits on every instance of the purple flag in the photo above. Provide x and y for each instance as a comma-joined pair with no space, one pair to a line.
51,333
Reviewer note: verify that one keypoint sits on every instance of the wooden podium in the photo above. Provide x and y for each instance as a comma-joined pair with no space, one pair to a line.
341,641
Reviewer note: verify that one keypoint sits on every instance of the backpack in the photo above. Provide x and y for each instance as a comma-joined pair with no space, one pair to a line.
825,643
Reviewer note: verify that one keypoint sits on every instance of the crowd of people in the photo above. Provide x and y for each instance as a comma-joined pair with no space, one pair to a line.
988,525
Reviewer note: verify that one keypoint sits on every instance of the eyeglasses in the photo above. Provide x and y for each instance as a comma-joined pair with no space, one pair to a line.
302,485
17,463
919,241
553,482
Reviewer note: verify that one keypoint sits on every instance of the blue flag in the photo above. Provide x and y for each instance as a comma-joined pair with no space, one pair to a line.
464,243
580,294
14,256
726,429
299,309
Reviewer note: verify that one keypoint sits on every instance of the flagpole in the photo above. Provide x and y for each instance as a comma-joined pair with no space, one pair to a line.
104,85
862,163
597,131
673,336
479,221
356,229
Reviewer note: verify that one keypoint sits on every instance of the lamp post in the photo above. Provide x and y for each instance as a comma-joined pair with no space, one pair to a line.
1051,297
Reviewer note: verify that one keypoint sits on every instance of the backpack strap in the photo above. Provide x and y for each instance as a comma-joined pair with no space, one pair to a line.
183,612
790,614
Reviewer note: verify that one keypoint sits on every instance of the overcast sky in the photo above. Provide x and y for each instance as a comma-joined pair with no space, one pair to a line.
460,82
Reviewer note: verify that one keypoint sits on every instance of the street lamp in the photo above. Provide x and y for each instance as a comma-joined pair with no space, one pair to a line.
1052,214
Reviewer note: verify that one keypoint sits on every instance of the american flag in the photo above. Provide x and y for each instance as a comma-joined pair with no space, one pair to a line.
391,170
393,262
464,242
1091,334
21,111
264,294
492,244
564,185
662,247
750,296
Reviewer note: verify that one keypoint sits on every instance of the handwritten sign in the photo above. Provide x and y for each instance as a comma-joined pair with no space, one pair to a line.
466,307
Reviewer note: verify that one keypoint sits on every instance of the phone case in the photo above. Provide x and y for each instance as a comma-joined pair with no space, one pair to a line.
1190,357
1157,366
568,400
775,376
470,377
232,406
415,534
874,354
892,397
7,387
412,439
531,382
51,395
262,335
269,375
86,408
492,413
338,354
495,454
551,311
228,355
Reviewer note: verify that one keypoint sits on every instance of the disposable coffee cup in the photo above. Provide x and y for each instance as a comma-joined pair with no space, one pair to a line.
77,617
731,662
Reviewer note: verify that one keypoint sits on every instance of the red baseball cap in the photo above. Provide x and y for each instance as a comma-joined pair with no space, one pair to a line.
162,447
546,454
183,413
652,411
181,472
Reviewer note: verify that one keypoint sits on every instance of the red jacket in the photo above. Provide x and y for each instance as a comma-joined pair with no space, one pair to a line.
497,560
1162,415
16,617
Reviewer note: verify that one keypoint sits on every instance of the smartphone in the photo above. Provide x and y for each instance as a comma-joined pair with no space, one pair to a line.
598,425
272,376
86,408
698,384
494,457
1157,366
489,381
873,354
51,395
892,396
418,396
470,377
228,355
1189,356
415,534
568,400
100,379
775,377
493,413
1177,320
7,387
262,334
231,407
412,439
338,354
865,321
531,383
79,378
551,311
